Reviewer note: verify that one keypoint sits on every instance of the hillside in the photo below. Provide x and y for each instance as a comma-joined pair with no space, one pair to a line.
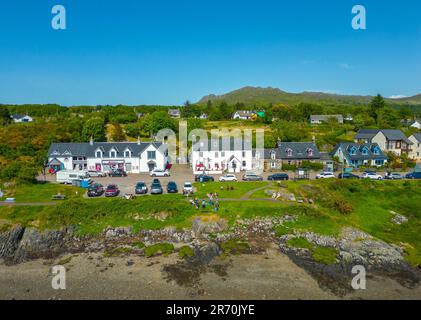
258,95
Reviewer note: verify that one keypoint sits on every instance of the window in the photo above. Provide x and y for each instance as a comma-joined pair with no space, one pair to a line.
98,154
244,163
379,162
127,154
216,154
222,154
376,150
244,154
151,155
201,154
310,152
273,155
398,144
364,151
113,154
273,164
288,152
353,151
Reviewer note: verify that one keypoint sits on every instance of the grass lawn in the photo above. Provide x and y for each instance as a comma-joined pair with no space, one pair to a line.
42,192
221,188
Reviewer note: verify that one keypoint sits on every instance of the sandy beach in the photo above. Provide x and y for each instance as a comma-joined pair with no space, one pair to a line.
270,275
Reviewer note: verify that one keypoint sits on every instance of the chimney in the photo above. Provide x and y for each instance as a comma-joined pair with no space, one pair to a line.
91,141
313,139
279,141
138,140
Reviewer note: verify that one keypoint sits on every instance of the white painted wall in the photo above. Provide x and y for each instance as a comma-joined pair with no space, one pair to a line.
416,148
209,159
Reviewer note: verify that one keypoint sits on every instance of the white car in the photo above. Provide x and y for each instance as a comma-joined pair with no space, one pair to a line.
325,175
159,173
187,188
97,174
372,176
228,177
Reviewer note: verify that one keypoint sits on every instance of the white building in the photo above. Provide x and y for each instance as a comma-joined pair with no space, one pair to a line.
389,140
242,115
132,157
416,147
19,118
215,156
322,118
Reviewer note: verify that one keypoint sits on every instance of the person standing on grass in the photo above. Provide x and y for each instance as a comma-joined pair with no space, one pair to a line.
203,204
216,206
210,199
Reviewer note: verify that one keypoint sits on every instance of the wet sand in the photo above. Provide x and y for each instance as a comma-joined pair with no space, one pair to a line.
270,275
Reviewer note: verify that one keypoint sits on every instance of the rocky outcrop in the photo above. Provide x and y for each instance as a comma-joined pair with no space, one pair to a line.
42,244
204,226
9,242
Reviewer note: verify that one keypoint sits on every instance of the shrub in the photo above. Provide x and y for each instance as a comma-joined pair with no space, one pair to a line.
159,248
343,206
185,252
299,242
282,230
325,255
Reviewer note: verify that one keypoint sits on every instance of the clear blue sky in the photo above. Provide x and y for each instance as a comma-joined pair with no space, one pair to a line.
165,52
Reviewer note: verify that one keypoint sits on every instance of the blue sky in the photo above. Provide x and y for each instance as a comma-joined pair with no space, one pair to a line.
168,51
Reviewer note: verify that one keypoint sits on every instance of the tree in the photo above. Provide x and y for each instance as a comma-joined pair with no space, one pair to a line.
376,105
226,110
118,133
157,121
388,118
289,131
4,116
95,128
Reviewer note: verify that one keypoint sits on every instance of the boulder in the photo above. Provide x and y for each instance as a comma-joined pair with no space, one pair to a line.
9,242
202,226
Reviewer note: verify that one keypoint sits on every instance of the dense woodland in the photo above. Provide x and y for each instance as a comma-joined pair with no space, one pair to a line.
23,146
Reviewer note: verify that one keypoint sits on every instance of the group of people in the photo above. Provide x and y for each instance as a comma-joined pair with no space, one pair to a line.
213,201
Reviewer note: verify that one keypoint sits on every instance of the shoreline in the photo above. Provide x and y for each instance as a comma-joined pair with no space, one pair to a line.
267,275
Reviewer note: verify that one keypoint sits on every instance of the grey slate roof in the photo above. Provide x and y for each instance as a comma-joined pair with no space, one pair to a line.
17,116
223,144
390,134
87,150
417,136
299,150
347,147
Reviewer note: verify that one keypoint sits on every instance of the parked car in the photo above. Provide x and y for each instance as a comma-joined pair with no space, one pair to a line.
372,176
325,175
159,173
117,173
249,176
95,190
413,175
156,188
69,176
141,188
187,188
172,187
112,191
393,176
228,177
348,175
203,178
93,173
278,176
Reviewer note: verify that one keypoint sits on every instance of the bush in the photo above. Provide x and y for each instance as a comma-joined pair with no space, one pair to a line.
299,242
159,248
325,255
185,252
343,206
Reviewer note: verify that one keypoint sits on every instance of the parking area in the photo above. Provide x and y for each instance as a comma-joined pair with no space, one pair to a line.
179,174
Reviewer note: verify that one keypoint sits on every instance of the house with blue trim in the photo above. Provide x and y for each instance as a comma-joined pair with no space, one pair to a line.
357,154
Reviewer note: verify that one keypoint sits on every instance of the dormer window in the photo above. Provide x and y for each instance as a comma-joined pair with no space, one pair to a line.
310,152
273,155
113,154
127,154
288,152
98,154
376,150
364,151
353,151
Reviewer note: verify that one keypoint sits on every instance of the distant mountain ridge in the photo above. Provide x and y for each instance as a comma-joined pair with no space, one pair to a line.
259,95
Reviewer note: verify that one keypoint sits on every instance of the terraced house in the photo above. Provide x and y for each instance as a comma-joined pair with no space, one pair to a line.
389,140
132,157
356,155
291,153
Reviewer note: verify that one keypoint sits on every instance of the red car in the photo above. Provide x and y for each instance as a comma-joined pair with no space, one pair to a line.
112,191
